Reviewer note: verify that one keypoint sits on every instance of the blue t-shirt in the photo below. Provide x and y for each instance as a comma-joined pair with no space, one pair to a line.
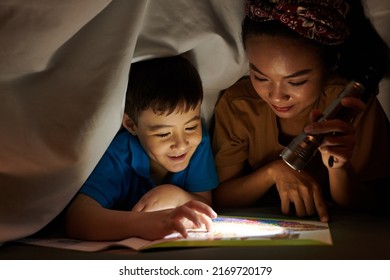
122,175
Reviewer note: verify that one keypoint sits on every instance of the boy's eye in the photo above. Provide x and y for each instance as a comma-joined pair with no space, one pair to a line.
162,135
192,128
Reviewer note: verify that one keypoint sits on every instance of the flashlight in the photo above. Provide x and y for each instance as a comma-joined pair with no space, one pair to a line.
303,147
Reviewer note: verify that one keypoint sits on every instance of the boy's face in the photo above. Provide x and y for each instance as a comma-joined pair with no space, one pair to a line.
169,140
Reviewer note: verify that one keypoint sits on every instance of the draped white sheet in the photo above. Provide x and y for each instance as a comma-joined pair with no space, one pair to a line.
63,74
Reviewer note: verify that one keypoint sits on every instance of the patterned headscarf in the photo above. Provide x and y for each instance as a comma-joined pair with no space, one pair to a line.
320,20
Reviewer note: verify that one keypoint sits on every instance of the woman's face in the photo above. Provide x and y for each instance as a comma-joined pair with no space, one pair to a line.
287,74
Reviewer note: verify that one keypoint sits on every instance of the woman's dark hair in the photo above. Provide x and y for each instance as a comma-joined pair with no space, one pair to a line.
274,28
364,48
164,85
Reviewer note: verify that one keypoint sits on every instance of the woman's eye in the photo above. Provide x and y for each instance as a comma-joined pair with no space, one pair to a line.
295,84
259,79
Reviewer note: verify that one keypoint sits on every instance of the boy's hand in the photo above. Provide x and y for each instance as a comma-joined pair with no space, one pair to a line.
162,197
161,223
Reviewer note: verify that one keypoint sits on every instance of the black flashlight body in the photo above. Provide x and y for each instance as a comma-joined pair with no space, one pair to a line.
303,147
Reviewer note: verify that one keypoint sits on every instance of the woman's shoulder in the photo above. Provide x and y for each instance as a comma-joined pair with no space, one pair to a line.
334,85
241,91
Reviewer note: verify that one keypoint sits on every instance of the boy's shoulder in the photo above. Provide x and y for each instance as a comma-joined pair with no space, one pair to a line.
205,133
122,135
121,141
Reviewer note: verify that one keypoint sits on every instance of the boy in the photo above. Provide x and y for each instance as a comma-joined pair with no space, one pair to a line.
159,165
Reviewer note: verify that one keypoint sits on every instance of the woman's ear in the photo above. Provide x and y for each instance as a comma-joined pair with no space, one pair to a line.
129,124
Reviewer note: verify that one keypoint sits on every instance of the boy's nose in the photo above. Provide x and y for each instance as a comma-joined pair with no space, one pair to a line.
180,142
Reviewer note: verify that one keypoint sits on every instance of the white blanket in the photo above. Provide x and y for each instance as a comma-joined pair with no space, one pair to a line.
63,75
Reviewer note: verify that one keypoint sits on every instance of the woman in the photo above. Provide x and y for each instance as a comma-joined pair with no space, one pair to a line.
301,55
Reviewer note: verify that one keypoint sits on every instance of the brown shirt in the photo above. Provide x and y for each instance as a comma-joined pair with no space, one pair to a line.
246,131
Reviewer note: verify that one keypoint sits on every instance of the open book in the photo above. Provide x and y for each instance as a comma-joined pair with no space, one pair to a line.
228,231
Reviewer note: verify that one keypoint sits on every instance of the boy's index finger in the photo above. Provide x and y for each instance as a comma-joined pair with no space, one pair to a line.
202,208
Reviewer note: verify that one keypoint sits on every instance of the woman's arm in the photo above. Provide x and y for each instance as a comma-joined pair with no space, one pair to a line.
238,190
293,187
348,191
337,149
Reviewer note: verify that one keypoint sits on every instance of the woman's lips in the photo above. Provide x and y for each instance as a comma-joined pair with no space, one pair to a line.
282,109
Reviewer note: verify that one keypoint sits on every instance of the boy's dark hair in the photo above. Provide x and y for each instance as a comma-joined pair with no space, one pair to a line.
163,85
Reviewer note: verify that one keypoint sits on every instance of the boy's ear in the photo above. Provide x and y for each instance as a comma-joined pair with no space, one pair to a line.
129,124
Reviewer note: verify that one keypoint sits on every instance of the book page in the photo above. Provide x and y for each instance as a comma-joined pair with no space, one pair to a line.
227,231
